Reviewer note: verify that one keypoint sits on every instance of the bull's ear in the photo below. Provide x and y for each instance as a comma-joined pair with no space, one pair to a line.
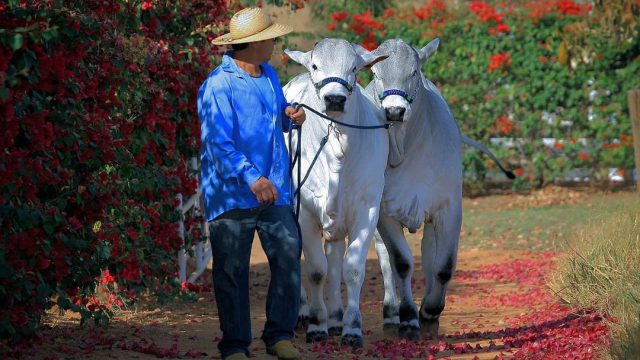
302,58
368,58
426,52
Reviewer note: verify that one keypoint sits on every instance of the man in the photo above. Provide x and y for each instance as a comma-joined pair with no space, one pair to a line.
246,184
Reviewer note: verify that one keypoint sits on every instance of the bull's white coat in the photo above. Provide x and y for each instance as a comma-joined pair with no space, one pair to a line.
342,196
423,181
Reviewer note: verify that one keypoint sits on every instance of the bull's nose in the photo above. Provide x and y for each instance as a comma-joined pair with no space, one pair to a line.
335,99
395,113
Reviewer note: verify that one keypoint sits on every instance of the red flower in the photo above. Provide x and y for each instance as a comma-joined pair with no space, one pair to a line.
500,28
75,223
331,26
518,172
558,146
432,8
42,262
504,124
107,278
583,156
485,12
147,5
364,22
339,16
499,61
369,42
570,8
131,271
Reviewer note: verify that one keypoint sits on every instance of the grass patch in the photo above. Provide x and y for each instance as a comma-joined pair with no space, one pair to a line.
600,272
490,223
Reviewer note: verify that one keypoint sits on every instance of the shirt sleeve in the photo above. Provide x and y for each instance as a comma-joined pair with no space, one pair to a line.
216,116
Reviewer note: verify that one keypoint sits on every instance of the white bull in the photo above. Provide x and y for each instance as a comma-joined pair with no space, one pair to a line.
423,180
341,196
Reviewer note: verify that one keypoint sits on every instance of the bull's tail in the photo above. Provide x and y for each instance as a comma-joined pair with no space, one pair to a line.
508,173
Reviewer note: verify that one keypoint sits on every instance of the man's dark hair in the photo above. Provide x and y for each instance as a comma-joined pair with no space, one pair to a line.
237,47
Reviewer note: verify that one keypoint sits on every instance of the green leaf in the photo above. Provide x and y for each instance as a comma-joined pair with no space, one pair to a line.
48,227
4,93
6,271
63,302
16,41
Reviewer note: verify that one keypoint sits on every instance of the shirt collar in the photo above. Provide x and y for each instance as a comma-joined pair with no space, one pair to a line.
229,65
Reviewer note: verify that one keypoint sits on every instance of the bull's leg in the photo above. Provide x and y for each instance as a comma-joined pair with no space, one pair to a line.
316,271
439,255
335,254
401,261
303,312
353,273
390,314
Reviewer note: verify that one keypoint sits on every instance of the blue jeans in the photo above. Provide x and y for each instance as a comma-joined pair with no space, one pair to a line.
231,237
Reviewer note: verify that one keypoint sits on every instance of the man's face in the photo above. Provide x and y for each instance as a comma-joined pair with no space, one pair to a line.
264,48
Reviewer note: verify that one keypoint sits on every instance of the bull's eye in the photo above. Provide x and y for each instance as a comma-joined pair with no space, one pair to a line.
314,67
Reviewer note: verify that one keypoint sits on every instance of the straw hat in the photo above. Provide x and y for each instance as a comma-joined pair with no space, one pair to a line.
249,25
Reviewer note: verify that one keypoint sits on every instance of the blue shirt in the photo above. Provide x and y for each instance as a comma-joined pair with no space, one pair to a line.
242,131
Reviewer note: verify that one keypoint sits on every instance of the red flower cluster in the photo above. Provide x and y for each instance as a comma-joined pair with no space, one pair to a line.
431,9
504,125
361,23
435,13
568,7
337,17
499,61
539,9
488,14
485,12
369,42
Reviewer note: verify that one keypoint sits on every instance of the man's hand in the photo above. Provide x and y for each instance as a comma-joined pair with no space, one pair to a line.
265,191
297,116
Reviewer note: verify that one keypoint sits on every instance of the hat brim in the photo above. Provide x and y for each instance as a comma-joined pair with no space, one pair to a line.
273,31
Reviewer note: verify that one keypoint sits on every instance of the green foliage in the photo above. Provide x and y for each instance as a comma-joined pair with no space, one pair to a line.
524,73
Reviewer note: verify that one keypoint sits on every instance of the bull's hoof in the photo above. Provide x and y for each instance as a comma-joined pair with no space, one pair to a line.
390,329
409,332
355,341
335,331
430,327
316,336
303,323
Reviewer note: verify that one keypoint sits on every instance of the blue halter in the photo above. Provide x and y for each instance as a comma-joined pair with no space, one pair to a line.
386,93
341,81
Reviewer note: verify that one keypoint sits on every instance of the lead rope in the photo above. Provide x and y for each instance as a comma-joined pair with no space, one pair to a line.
298,154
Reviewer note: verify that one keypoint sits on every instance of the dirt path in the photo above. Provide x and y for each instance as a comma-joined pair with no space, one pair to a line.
492,291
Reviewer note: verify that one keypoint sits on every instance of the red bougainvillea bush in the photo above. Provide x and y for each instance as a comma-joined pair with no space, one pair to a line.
97,115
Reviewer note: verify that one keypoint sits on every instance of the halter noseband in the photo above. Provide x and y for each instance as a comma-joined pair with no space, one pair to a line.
386,93
341,81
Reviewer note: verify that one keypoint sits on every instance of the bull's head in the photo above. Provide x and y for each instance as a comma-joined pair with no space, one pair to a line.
397,80
333,65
